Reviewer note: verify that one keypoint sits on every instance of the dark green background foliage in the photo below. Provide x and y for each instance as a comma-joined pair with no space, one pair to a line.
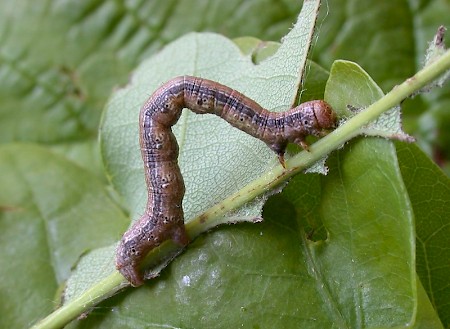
60,60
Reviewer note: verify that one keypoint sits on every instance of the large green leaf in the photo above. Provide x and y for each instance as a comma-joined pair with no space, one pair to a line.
389,39
364,271
429,191
363,261
51,212
59,60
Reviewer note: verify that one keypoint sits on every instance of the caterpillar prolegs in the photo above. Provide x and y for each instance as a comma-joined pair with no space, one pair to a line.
163,217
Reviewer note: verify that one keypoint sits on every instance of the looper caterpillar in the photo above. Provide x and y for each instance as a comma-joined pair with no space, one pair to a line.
163,217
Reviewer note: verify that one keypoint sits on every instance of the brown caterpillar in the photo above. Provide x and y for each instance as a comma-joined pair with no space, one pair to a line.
163,217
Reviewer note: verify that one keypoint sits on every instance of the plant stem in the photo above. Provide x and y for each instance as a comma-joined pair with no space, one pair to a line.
215,215
82,304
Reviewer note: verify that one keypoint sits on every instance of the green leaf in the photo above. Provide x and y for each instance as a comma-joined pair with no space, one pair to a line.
366,261
389,39
429,192
426,314
362,258
85,153
60,60
347,90
50,214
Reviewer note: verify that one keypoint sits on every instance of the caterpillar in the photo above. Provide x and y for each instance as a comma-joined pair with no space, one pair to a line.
163,218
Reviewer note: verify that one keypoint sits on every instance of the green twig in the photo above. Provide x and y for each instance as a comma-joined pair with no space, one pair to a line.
215,215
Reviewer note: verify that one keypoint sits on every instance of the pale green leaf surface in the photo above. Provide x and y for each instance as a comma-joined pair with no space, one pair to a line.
85,153
211,152
86,272
50,213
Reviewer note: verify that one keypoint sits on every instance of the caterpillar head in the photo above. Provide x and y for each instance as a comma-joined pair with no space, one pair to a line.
324,115
310,118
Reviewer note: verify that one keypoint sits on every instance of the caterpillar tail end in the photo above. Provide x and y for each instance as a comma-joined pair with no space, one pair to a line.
129,257
132,274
